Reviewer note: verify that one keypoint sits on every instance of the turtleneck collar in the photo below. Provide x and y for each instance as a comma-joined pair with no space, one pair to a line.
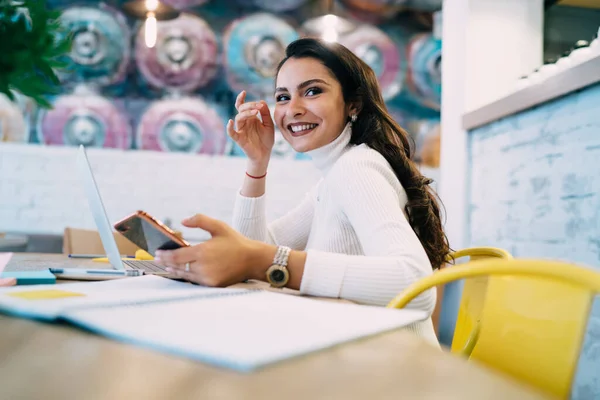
324,157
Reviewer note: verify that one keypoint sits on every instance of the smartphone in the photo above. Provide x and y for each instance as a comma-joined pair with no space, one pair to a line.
148,233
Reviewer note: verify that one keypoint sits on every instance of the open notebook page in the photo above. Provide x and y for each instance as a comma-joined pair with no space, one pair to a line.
245,331
49,301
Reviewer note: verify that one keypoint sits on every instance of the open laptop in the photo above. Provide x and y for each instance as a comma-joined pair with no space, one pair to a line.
104,226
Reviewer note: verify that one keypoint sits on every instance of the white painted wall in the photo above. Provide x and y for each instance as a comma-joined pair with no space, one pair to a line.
505,41
453,168
486,46
40,190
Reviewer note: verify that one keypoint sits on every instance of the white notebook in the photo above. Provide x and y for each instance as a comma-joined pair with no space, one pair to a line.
238,329
48,302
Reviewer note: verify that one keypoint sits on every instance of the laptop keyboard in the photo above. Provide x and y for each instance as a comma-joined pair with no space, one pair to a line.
146,266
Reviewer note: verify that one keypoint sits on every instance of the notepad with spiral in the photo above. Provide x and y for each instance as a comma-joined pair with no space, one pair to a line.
233,328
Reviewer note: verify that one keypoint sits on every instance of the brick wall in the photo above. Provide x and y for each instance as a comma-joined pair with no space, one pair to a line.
41,192
534,189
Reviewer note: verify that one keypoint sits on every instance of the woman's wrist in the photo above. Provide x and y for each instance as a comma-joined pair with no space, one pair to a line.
257,177
254,183
257,168
260,258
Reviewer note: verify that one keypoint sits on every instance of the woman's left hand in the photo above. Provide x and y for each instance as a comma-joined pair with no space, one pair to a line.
7,282
225,259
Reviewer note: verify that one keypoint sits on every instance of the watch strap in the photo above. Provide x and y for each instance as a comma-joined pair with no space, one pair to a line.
278,274
282,255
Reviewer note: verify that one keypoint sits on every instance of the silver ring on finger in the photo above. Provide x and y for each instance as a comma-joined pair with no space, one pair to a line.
187,267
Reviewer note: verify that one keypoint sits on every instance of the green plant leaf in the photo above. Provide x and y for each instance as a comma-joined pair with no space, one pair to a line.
63,46
57,64
47,71
42,102
32,50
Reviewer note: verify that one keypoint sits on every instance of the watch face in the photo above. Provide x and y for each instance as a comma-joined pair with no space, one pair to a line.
278,275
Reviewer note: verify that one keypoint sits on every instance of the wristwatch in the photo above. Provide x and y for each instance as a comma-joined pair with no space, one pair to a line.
278,274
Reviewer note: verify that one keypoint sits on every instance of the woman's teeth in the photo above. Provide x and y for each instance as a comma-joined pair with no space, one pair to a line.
300,128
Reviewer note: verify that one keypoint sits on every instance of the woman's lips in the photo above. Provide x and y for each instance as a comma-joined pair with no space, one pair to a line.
301,129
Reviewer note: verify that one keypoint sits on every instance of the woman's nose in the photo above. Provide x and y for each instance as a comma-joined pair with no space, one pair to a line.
296,107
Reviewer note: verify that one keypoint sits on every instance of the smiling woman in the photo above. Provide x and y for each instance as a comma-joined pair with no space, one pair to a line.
366,231
310,108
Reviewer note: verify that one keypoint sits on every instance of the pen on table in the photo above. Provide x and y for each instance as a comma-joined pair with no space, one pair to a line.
95,256
108,272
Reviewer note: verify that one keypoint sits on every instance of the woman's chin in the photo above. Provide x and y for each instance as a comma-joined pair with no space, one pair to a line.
302,147
300,144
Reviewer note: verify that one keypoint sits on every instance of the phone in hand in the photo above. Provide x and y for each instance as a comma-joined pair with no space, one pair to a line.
148,233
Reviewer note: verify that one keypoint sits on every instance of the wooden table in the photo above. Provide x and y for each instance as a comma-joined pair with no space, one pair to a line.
53,361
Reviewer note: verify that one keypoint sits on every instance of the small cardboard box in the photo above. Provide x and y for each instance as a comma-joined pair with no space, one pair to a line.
83,241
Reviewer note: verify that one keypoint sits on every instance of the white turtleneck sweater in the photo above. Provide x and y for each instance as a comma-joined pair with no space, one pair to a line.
359,243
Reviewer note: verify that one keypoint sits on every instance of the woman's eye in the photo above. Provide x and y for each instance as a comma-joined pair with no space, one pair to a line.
313,91
282,97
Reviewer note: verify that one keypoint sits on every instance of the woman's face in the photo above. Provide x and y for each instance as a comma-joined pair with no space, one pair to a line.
310,109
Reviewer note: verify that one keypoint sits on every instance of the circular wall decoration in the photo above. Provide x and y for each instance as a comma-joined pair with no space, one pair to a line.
378,8
424,75
184,4
425,5
378,50
185,56
254,45
84,118
185,124
98,53
278,5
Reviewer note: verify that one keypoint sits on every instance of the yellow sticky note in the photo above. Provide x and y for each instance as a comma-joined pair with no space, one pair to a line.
44,294
105,259
143,255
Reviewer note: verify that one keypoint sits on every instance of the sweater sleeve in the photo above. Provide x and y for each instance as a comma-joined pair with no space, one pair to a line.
292,229
369,194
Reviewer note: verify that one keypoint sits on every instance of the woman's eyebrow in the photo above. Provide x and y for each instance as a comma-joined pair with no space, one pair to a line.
311,82
303,84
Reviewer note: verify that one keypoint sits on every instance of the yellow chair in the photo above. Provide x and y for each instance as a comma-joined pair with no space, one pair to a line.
534,317
472,298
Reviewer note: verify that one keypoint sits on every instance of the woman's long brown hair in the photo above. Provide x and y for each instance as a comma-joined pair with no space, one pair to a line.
376,128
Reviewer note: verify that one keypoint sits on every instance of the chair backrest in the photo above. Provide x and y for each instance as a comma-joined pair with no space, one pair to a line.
534,317
472,299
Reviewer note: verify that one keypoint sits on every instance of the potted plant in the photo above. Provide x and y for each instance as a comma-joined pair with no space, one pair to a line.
33,45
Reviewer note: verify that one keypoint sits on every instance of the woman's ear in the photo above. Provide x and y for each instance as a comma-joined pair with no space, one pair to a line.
354,108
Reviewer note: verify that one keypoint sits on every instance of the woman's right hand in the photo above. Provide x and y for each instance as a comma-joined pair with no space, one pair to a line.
254,137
